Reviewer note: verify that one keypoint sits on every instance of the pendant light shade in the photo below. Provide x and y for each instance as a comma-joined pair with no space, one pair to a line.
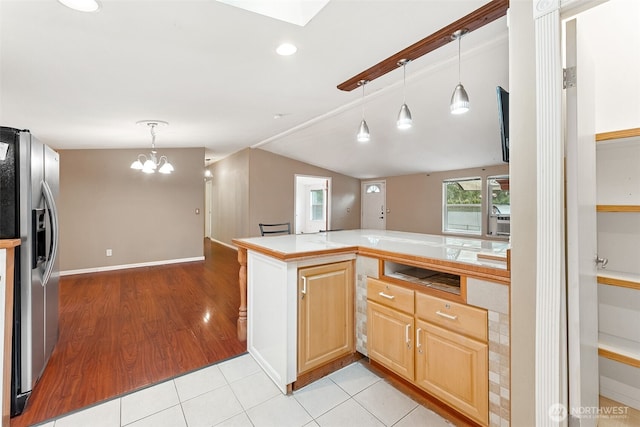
459,99
363,130
404,116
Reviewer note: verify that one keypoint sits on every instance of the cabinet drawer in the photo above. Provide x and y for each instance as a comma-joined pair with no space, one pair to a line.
464,319
390,295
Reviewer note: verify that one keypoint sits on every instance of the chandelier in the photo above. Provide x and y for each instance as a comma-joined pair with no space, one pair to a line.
153,162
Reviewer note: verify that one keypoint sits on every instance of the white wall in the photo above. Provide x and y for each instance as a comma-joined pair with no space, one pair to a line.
522,181
615,43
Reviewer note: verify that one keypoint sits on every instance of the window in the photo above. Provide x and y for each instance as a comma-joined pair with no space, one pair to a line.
499,206
373,188
462,207
317,205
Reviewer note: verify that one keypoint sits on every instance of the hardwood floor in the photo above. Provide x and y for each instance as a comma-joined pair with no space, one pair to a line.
124,330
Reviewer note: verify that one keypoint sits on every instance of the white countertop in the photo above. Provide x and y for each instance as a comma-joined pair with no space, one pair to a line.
449,248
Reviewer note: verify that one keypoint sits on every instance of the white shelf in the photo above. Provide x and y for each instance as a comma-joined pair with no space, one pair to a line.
619,278
618,208
617,173
619,349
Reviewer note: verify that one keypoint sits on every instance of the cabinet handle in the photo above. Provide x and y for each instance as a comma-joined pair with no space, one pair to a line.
304,286
418,331
446,316
406,334
383,295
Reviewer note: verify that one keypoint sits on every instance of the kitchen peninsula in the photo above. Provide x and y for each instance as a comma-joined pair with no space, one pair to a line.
432,309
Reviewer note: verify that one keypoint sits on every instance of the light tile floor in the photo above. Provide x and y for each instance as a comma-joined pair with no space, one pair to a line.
237,392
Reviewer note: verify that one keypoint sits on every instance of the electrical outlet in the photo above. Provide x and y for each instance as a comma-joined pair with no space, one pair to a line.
109,252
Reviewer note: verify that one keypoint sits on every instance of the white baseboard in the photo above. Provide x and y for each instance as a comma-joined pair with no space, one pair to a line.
620,392
125,266
223,243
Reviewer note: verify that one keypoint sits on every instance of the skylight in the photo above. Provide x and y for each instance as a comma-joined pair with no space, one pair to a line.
298,12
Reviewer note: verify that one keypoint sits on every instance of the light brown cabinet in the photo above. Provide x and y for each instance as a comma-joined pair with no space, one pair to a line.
453,368
325,314
452,360
390,339
438,345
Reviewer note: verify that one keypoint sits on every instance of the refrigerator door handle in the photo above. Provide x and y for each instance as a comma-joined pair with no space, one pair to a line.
53,218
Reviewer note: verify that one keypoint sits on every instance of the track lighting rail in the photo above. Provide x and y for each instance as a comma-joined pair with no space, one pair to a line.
476,19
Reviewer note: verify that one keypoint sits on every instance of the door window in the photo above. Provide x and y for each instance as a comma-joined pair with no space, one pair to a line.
317,205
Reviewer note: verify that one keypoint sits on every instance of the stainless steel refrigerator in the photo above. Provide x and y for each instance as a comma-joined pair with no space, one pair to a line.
29,183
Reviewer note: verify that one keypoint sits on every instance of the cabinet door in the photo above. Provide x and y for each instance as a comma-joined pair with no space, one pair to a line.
390,338
453,368
325,314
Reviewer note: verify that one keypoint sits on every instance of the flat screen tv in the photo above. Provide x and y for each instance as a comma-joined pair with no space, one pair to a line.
503,116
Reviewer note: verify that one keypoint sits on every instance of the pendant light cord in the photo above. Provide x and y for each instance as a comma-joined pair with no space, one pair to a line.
459,73
363,83
404,83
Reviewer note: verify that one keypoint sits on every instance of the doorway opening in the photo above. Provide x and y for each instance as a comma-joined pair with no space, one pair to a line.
313,200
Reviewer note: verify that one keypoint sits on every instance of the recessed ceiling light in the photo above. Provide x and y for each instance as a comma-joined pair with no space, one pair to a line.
286,49
82,5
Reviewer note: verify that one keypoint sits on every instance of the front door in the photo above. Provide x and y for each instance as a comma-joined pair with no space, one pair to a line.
374,205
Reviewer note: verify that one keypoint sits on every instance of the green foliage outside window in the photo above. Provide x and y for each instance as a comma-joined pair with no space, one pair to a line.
457,195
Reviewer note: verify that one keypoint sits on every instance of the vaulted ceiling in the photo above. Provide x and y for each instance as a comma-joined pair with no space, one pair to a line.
83,80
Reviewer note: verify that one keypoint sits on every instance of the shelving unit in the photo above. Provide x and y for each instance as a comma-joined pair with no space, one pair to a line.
618,219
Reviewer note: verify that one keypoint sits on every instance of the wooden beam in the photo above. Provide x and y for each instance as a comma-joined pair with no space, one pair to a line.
476,19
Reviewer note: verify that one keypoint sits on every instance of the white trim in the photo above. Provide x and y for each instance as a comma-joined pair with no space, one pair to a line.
550,367
125,266
620,392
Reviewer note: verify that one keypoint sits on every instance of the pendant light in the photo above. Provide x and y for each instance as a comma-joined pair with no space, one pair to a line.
404,116
459,100
363,130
